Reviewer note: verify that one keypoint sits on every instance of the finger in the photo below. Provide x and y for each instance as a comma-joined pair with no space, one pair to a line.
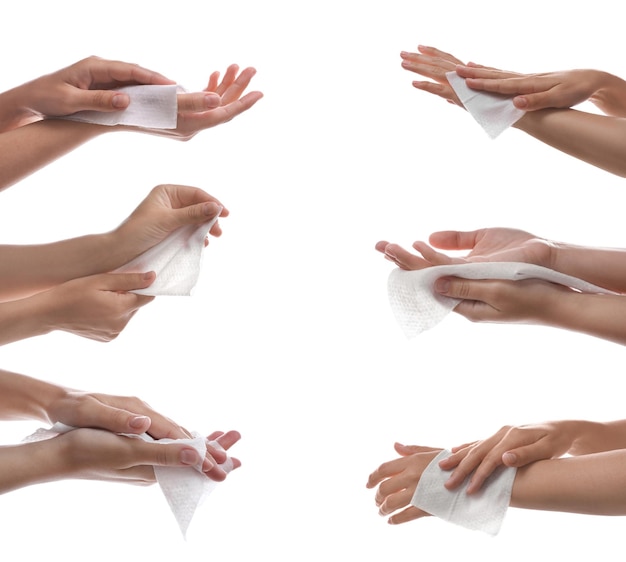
228,439
384,471
197,214
406,450
489,76
409,514
534,102
164,454
432,256
403,259
122,73
442,90
455,240
228,112
434,52
398,500
234,90
122,282
214,79
97,414
229,78
521,456
199,101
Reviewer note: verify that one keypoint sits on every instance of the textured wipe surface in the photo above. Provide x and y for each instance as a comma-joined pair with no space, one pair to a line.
482,511
176,261
493,112
151,107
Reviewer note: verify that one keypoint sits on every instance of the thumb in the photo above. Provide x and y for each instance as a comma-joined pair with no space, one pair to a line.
198,213
167,454
127,281
102,100
524,455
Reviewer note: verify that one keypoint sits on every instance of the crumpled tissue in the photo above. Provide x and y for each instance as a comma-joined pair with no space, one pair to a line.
481,511
418,307
493,112
177,261
184,488
153,107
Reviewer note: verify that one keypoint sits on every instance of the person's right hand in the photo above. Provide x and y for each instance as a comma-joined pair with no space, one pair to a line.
486,244
88,84
97,307
510,446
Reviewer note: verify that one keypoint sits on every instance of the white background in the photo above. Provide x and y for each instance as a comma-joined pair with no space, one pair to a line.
289,337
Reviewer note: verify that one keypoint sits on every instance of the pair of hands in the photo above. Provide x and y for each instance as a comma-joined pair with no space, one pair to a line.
95,451
90,84
100,306
532,92
397,480
486,300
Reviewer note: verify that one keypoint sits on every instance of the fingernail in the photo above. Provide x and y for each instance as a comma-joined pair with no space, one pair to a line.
389,252
442,286
149,275
208,464
509,458
120,101
139,422
190,457
211,209
520,102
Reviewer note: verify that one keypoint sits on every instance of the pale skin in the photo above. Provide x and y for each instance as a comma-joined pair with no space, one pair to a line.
528,301
32,138
67,286
591,483
547,98
93,450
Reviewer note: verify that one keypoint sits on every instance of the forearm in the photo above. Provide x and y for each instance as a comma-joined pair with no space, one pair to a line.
602,316
605,267
30,463
595,139
25,318
23,397
31,147
596,437
30,269
592,484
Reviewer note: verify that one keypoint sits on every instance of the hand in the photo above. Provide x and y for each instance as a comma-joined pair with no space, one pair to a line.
487,244
165,209
124,414
560,89
397,481
95,454
88,84
96,307
487,300
197,111
433,63
510,446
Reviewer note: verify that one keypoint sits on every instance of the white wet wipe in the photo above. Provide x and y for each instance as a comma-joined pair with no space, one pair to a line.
418,307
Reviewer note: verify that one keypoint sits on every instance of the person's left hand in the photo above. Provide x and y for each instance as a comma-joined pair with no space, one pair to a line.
485,244
165,209
397,481
197,111
432,63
